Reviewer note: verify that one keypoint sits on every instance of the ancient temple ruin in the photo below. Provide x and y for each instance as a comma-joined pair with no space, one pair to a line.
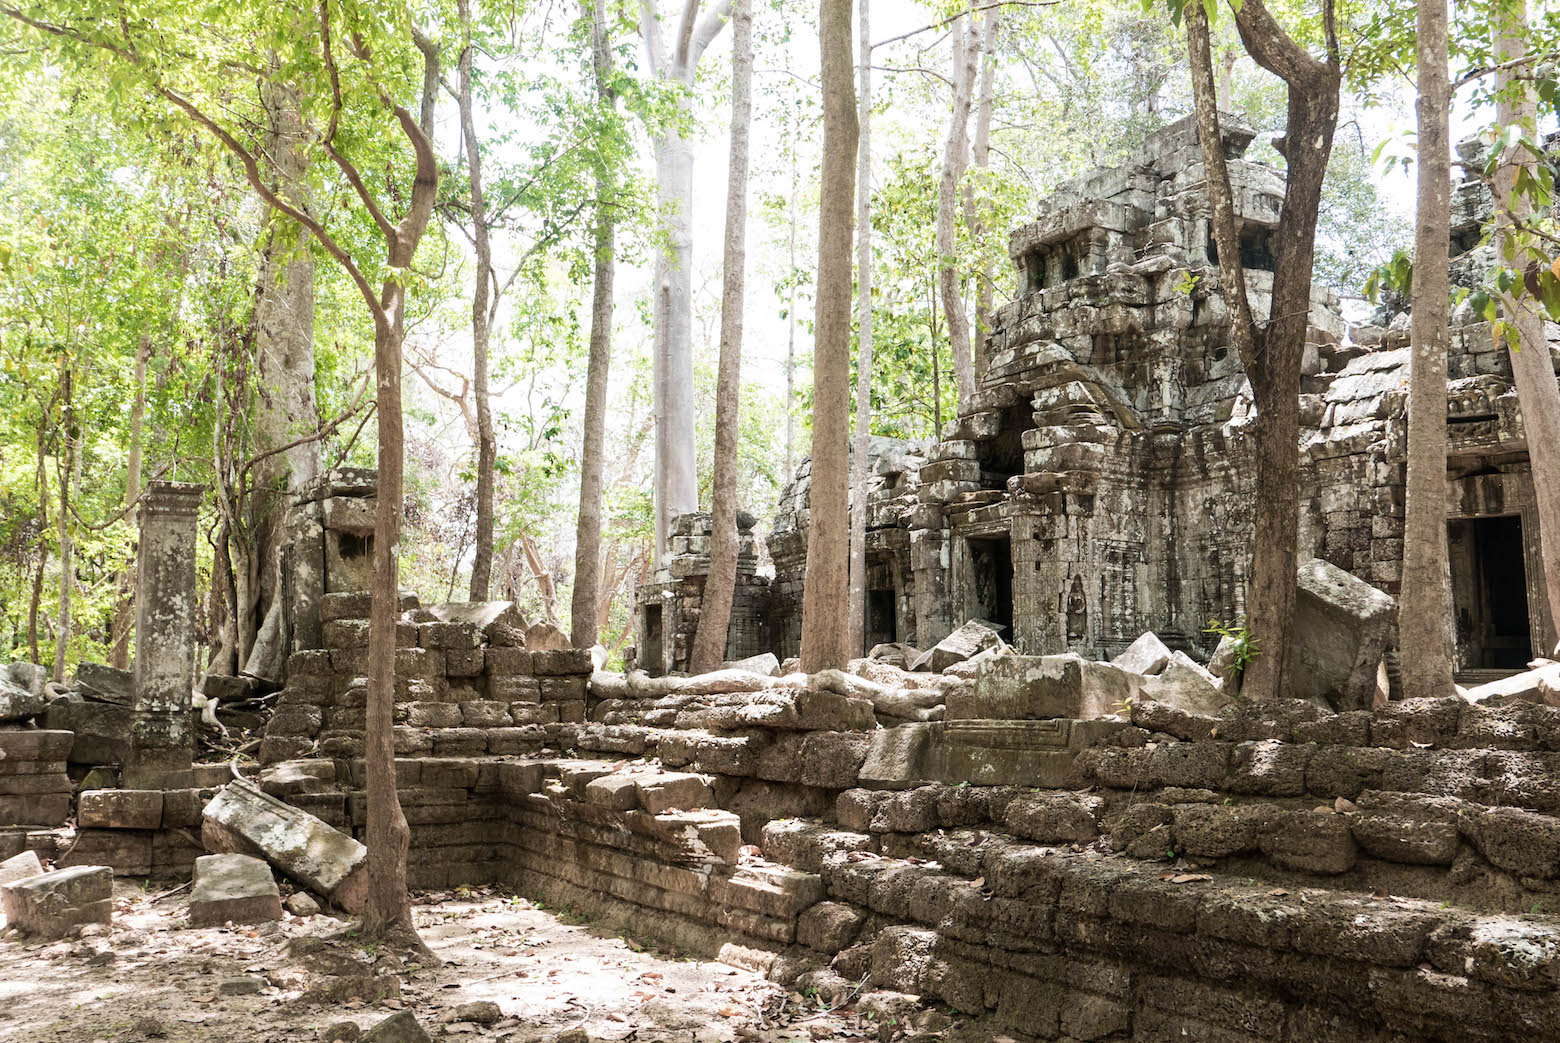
1099,483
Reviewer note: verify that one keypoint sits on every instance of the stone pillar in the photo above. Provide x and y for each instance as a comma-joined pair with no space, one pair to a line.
162,744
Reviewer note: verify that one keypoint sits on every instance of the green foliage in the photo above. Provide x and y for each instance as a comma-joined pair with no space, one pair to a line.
1243,647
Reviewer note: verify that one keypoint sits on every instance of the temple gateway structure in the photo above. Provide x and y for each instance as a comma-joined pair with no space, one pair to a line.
1098,484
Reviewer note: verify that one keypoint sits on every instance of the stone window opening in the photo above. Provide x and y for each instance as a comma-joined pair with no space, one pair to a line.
1256,249
1052,265
1002,457
1489,593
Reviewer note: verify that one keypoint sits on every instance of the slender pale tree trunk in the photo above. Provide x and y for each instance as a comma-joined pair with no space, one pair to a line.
826,592
285,407
709,643
487,445
966,48
857,609
584,619
1424,606
70,482
388,837
124,608
676,477
975,208
1538,392
790,337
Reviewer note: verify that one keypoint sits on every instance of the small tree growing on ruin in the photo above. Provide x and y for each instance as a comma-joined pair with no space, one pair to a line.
1271,349
379,59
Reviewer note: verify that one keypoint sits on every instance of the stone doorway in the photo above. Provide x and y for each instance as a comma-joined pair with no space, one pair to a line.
881,626
990,590
1490,593
652,658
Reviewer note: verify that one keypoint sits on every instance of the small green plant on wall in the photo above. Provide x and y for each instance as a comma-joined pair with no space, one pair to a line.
1244,646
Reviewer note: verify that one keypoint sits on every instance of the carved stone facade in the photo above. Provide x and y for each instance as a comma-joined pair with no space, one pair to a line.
1099,483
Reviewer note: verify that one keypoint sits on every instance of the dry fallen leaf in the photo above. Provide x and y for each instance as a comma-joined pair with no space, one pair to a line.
1189,878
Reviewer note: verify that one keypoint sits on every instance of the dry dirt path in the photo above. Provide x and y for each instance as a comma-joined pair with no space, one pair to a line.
150,977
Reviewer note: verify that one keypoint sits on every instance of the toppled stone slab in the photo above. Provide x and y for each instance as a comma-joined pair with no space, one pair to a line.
973,637
1032,688
765,665
1531,686
244,820
19,867
1186,685
100,683
1341,630
233,888
50,904
21,692
1146,655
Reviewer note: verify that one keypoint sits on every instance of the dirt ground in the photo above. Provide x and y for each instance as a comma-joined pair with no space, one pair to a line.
150,976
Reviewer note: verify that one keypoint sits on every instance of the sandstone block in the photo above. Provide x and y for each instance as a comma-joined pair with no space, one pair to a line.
120,809
829,927
233,887
669,791
19,867
1146,655
561,662
1311,842
508,662
400,1027
458,635
614,792
973,637
1342,626
1030,688
242,819
49,904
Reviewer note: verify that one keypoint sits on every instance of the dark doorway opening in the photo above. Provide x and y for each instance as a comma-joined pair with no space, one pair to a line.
651,659
991,581
881,626
1489,593
1003,456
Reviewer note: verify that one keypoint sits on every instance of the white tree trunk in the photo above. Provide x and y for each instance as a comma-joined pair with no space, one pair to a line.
1424,607
677,487
1538,392
975,208
857,609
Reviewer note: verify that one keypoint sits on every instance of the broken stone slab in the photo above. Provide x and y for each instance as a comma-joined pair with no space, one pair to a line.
973,637
242,819
120,809
50,904
490,617
105,684
895,653
294,778
904,756
1185,685
22,694
1531,686
233,888
545,637
765,665
1032,688
1147,655
19,867
1341,630
400,1027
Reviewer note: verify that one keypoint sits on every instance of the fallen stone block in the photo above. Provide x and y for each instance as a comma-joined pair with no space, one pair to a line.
765,665
1341,630
1531,686
21,692
301,903
1186,685
19,867
1034,688
895,653
674,791
973,637
400,1027
233,888
98,682
120,809
903,756
50,904
241,819
1146,655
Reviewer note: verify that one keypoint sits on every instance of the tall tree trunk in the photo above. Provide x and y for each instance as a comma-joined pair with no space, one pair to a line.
1538,392
584,621
70,481
1424,605
966,47
790,337
285,407
35,603
709,642
487,446
857,609
124,608
1271,353
388,837
976,208
827,578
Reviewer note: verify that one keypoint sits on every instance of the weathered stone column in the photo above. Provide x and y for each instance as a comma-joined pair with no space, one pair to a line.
162,744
